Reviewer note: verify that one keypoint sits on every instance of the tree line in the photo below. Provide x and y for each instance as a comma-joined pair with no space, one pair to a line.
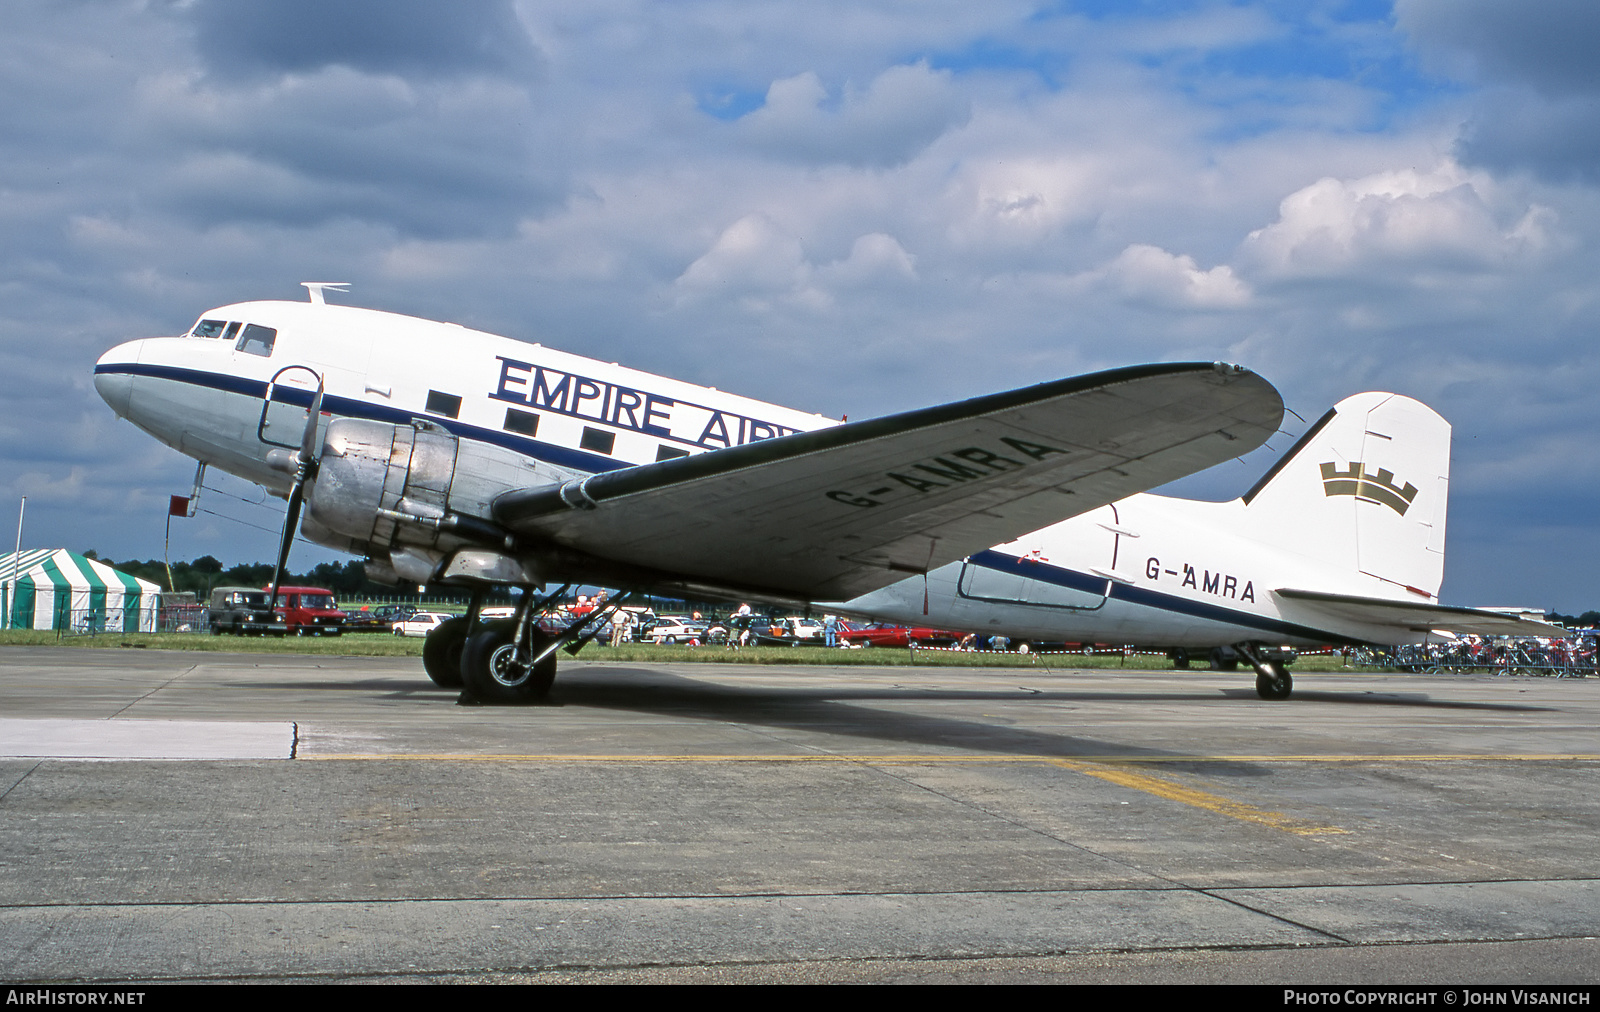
347,579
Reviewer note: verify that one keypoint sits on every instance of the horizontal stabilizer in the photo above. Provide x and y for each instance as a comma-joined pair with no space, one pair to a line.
837,512
1414,617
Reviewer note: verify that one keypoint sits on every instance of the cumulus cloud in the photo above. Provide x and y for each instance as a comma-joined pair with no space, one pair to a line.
900,112
340,144
241,38
754,261
1549,45
1400,220
750,256
874,259
1149,275
918,205
1541,112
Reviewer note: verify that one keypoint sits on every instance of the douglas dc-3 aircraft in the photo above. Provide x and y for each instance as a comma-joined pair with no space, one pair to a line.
448,456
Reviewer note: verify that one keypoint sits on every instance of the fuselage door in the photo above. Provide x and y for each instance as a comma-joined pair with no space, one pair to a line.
1055,568
284,407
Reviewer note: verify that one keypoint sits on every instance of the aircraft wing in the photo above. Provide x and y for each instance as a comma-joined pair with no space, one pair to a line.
1421,617
837,512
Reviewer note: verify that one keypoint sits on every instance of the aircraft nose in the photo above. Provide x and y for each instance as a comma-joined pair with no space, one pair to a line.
113,378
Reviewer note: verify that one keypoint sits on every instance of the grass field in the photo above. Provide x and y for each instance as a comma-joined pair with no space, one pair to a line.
383,645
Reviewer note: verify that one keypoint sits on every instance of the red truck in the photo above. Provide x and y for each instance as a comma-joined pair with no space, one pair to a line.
309,611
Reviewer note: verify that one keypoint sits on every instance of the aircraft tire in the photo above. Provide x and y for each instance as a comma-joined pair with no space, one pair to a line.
489,671
1221,663
441,652
1279,686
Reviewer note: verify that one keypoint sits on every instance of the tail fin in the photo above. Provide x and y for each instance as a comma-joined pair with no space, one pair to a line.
1366,488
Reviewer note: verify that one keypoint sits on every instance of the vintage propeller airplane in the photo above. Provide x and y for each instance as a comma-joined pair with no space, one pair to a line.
444,455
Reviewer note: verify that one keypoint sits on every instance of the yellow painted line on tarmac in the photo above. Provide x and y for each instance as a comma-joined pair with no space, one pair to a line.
1170,789
1115,760
1112,769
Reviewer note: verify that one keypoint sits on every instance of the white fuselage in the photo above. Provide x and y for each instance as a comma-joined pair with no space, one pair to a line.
572,415
1147,570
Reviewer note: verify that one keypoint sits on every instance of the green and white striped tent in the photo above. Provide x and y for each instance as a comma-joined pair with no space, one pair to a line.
58,589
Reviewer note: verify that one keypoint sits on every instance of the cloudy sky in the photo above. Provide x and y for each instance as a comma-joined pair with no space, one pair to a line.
851,208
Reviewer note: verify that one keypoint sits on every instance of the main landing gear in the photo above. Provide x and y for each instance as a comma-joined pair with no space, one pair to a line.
441,652
509,661
1273,680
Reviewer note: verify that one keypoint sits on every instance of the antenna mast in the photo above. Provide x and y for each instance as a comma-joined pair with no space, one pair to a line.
316,288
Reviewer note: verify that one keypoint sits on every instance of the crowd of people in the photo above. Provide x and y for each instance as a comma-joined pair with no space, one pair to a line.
1574,654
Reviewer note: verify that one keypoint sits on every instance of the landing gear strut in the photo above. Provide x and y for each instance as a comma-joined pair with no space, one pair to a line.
1276,684
514,661
1273,680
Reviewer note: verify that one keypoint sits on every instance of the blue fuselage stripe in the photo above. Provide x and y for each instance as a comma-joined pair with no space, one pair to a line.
561,456
1044,572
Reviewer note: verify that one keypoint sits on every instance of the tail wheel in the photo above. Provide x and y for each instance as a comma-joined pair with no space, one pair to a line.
495,670
441,652
1277,684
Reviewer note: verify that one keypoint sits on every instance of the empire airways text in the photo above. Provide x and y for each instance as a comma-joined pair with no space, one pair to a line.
627,408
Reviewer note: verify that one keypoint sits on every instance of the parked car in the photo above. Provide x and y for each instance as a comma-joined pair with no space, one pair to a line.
772,631
419,623
309,611
885,634
676,631
242,611
379,619
808,631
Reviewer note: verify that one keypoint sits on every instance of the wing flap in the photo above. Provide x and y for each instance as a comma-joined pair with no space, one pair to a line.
1414,617
838,512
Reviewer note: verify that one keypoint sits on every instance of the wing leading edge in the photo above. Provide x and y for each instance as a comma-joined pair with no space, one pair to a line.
838,512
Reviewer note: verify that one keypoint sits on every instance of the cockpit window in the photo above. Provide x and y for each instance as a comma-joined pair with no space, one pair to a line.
257,340
233,328
209,328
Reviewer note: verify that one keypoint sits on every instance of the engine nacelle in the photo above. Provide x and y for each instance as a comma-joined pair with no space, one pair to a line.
379,485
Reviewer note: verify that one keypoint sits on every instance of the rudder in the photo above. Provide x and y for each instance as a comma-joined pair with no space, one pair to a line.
1365,488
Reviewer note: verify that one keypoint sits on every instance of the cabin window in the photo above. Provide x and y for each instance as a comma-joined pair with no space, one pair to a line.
209,328
524,422
598,440
448,405
257,340
665,452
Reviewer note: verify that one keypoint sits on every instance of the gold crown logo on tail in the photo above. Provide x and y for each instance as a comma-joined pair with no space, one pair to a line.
1358,482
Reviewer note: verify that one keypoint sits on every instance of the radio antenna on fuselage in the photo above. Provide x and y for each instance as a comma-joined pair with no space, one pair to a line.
316,288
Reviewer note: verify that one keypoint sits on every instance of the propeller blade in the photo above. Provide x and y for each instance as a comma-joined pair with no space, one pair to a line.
291,522
308,440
